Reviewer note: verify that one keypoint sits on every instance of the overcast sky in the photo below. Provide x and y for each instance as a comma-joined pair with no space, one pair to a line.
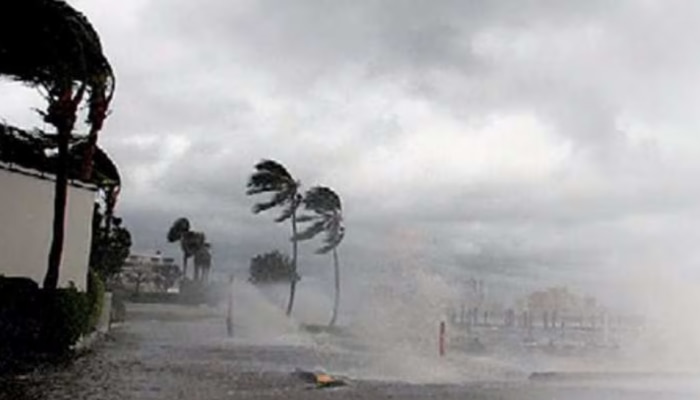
546,141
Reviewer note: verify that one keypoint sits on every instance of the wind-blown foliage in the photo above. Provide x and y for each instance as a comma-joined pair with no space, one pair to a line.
190,241
178,229
50,45
272,177
327,218
45,41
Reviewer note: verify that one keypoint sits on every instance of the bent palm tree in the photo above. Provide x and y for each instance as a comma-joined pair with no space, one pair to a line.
202,262
328,218
50,45
271,177
190,241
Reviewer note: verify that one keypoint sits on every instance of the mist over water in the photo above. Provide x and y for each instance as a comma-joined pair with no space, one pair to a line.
390,331
670,337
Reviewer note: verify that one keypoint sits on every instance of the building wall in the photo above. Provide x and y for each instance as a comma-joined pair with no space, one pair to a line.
26,218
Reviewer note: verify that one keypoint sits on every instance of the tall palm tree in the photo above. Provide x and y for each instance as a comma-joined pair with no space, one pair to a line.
50,45
190,241
202,262
327,217
272,177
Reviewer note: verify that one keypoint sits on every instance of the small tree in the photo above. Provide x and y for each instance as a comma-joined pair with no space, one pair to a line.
137,277
271,267
110,245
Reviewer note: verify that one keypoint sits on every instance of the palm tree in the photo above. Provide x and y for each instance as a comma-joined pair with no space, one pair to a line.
202,262
328,218
190,241
49,45
271,177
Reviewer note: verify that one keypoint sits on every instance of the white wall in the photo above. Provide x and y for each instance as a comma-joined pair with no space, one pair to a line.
26,217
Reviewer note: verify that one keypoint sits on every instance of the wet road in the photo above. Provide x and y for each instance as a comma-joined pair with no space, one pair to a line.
174,352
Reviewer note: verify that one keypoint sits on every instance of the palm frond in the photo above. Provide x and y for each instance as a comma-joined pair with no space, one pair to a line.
277,200
265,182
45,41
286,213
327,214
332,241
322,200
48,43
271,176
310,232
307,218
274,168
178,229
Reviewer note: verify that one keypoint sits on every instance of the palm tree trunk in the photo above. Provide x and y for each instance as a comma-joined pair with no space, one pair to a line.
61,114
336,301
293,283
184,265
59,212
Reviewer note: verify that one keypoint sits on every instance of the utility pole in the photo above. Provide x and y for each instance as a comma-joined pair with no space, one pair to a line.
229,310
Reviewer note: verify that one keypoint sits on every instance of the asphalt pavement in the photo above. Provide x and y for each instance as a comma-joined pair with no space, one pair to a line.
179,352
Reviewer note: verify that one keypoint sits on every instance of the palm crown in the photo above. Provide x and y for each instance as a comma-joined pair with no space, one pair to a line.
271,177
327,217
190,241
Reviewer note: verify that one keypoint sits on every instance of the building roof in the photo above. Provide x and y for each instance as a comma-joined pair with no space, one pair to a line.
36,150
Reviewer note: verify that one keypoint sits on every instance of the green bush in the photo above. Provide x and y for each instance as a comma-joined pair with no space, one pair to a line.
34,322
20,303
65,317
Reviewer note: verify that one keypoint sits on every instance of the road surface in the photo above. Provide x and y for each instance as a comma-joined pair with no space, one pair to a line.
177,352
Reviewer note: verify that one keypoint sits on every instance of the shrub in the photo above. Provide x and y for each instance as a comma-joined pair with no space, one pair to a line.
271,267
65,317
19,316
34,321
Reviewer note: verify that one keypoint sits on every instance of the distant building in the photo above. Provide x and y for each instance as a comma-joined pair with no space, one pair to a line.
145,272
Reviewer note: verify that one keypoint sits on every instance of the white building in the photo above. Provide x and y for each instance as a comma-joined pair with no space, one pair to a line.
142,269
26,220
26,208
